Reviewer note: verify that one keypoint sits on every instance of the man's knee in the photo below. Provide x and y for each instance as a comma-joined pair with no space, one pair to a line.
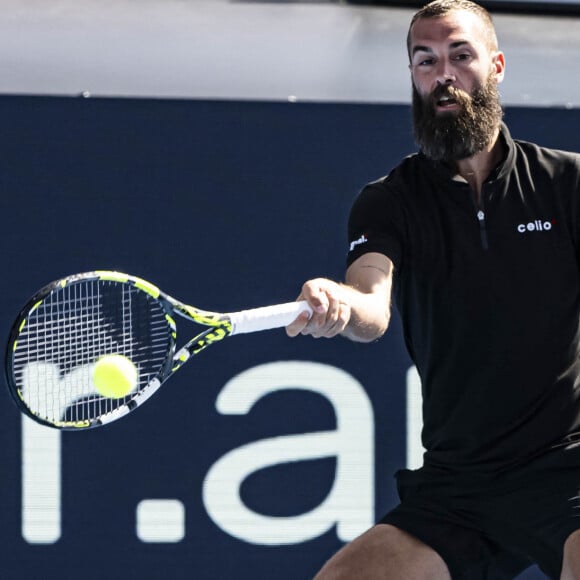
387,553
571,561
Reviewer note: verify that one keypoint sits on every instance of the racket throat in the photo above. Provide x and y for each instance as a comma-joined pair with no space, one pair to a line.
196,345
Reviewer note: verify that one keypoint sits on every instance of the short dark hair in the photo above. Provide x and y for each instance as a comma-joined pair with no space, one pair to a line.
439,8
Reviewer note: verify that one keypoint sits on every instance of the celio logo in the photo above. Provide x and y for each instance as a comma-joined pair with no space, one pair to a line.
535,226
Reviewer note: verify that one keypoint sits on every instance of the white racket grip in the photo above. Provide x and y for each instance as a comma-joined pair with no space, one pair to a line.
268,317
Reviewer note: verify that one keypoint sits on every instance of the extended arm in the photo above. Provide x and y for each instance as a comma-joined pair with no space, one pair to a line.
359,309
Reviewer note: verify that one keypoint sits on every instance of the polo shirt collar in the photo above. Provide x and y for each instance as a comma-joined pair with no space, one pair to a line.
501,170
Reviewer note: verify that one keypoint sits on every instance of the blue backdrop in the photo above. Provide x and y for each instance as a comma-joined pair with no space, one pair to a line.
263,455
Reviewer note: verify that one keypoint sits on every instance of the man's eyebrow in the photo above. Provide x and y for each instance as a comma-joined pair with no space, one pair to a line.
422,48
459,43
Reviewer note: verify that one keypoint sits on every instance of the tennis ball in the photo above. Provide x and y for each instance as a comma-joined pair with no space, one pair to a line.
114,376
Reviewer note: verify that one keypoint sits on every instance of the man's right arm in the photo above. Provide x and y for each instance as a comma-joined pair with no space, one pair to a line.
359,309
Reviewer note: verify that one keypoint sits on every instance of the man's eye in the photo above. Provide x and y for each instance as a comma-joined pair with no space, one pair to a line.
463,56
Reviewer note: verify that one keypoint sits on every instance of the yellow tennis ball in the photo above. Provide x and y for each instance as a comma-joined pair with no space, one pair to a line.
114,376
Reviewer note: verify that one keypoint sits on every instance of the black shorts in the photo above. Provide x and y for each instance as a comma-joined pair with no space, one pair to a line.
493,529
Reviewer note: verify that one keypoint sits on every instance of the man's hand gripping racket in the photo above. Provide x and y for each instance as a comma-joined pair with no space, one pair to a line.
71,324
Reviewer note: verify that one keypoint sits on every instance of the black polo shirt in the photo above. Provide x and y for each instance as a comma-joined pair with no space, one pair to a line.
489,298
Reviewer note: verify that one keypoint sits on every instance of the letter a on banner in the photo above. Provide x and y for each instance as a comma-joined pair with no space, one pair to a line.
350,502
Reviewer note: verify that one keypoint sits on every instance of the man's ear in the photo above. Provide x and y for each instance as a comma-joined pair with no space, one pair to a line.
498,65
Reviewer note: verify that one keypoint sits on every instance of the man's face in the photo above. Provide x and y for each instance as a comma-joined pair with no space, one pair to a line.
456,106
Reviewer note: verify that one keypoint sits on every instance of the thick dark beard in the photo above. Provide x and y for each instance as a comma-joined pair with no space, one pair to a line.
457,135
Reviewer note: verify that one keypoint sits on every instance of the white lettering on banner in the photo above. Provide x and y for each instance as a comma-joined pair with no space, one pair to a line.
415,447
41,483
41,455
350,502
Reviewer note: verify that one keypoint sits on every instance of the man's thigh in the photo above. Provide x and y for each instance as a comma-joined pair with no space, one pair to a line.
388,553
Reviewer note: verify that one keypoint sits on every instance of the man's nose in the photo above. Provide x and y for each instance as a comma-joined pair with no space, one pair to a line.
445,73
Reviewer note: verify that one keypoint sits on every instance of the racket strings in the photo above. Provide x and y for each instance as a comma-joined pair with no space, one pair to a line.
67,332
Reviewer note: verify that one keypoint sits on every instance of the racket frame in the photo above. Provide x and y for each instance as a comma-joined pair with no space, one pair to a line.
219,326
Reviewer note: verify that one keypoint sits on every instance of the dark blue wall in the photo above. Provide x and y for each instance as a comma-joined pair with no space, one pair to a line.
225,205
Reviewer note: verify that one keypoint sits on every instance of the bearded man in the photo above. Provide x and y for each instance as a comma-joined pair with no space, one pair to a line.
477,238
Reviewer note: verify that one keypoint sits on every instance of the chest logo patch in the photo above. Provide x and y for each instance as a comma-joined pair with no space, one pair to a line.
536,226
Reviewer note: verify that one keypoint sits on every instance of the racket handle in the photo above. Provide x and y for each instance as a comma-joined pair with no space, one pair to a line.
268,317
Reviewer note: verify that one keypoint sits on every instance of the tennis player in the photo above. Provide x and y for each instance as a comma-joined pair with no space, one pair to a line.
478,236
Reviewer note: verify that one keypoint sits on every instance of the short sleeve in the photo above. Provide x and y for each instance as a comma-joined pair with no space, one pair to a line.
376,223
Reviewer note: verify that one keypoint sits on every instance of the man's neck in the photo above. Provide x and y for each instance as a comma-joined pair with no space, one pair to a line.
475,170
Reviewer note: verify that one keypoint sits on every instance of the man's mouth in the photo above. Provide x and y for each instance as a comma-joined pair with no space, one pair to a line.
446,103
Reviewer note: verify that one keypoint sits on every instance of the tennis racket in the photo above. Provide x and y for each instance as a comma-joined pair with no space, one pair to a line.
68,325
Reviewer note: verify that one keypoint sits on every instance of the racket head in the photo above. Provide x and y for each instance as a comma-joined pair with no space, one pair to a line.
67,326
